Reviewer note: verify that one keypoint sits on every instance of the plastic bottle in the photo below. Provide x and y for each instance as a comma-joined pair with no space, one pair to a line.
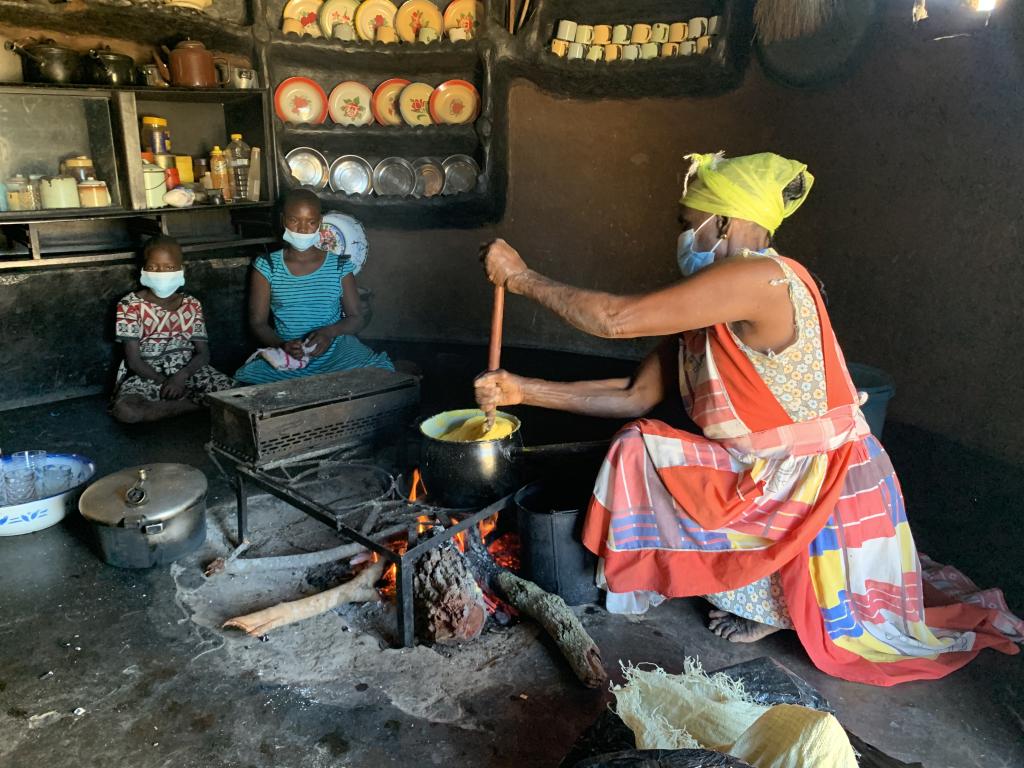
238,154
220,175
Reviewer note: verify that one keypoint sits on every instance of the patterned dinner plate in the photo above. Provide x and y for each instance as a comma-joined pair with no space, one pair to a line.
464,13
300,100
307,12
337,12
385,101
349,104
414,104
454,103
373,14
413,16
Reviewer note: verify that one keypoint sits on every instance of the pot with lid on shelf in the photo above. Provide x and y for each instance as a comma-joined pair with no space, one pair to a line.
106,67
190,65
43,61
60,192
148,515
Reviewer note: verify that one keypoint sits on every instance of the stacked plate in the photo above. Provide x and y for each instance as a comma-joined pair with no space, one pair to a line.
396,101
318,18
391,177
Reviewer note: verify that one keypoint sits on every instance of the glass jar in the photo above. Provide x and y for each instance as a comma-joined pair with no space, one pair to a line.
80,167
17,187
34,198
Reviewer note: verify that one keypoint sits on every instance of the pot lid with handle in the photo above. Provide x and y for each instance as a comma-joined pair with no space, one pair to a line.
152,492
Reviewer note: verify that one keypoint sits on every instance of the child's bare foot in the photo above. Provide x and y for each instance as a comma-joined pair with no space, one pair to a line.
736,629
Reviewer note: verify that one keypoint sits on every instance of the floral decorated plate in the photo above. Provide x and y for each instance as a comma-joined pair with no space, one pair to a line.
373,14
413,16
414,104
308,167
464,13
454,103
349,104
385,101
307,12
300,100
337,12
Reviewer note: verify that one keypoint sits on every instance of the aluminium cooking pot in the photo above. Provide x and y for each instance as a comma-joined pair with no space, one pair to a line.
46,62
148,515
464,475
105,67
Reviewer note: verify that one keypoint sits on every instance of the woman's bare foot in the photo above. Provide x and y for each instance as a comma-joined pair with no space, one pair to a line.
736,629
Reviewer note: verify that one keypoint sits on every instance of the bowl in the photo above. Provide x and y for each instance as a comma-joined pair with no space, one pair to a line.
37,514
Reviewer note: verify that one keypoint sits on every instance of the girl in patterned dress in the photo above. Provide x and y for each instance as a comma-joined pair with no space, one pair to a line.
312,297
165,370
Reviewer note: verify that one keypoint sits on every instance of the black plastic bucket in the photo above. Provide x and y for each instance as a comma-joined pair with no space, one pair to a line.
880,388
552,553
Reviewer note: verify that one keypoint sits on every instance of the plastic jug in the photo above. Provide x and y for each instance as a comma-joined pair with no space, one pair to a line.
220,174
238,154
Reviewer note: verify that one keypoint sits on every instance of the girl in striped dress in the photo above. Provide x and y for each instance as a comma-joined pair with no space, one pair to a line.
313,298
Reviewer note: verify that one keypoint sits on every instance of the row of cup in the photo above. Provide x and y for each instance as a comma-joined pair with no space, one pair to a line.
27,476
630,51
637,34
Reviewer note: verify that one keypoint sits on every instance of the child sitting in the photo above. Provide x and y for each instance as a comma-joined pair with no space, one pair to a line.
165,371
313,297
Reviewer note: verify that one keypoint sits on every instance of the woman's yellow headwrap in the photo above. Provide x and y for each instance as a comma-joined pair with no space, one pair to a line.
748,188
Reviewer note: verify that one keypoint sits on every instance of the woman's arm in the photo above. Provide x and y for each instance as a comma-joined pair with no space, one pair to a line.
727,292
351,324
610,398
259,317
133,360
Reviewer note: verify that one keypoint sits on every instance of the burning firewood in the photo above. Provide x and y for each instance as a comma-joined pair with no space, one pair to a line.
449,603
548,610
358,590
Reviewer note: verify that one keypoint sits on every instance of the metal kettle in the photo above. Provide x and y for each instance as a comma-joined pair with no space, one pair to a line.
190,65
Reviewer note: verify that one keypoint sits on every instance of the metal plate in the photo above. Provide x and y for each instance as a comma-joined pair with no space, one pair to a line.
429,177
460,174
394,176
352,175
308,167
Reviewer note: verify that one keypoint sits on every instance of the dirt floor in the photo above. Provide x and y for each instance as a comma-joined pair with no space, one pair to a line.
162,686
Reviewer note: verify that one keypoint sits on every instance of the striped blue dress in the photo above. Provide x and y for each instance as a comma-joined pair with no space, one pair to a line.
301,304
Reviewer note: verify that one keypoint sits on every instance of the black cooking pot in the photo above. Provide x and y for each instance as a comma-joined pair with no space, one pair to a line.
464,475
47,62
105,67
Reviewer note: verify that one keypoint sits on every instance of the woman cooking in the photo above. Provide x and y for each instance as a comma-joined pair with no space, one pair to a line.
786,513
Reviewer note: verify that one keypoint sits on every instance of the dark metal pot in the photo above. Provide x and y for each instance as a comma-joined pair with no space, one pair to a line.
47,62
105,67
146,516
464,475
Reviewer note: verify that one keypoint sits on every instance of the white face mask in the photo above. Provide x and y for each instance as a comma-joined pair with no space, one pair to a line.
691,261
163,284
300,241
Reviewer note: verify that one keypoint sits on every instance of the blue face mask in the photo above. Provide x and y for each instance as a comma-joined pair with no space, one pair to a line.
691,261
301,242
163,284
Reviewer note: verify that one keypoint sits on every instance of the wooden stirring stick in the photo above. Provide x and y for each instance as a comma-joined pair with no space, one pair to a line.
494,352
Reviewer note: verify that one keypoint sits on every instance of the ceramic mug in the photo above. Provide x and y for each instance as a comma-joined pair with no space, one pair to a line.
558,47
677,32
669,49
659,33
602,34
584,34
641,33
595,53
576,51
343,31
459,34
649,51
612,52
386,35
427,35
703,44
620,34
714,24
687,48
630,52
566,30
697,27
292,27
